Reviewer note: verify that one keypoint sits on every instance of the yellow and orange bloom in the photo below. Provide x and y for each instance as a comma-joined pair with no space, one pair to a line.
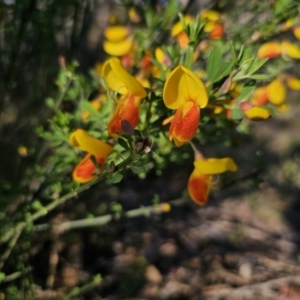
86,169
213,25
185,123
201,179
127,109
178,32
275,49
185,92
269,50
120,81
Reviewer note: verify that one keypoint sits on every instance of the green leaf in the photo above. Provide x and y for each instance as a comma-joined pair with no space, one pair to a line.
241,54
233,53
123,144
116,177
281,5
236,113
50,102
223,71
2,276
246,90
213,63
137,169
257,64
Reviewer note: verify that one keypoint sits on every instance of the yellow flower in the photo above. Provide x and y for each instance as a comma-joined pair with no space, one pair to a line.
290,49
118,48
118,42
276,92
127,109
200,181
116,33
269,50
185,92
82,140
119,80
178,32
257,113
183,85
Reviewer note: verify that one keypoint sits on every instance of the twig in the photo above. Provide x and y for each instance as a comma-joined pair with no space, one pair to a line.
15,232
15,275
102,220
77,291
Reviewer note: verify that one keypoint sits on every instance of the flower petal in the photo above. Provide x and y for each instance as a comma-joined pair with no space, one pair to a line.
290,50
276,92
269,50
116,33
85,142
199,187
257,113
117,48
185,123
215,165
119,80
181,86
127,109
84,171
293,83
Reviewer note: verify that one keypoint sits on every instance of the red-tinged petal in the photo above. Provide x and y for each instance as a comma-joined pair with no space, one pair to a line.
217,32
127,109
84,171
182,39
199,187
185,123
260,96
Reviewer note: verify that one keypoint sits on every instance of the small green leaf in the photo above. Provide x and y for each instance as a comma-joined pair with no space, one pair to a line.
233,53
241,54
223,71
236,113
213,63
137,169
246,90
116,177
257,64
50,102
2,276
123,144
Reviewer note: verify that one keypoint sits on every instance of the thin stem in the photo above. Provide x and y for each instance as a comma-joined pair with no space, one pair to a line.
56,202
102,220
77,291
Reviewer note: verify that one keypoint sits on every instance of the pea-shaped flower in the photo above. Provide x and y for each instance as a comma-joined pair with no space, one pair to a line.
82,140
120,81
185,92
201,179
